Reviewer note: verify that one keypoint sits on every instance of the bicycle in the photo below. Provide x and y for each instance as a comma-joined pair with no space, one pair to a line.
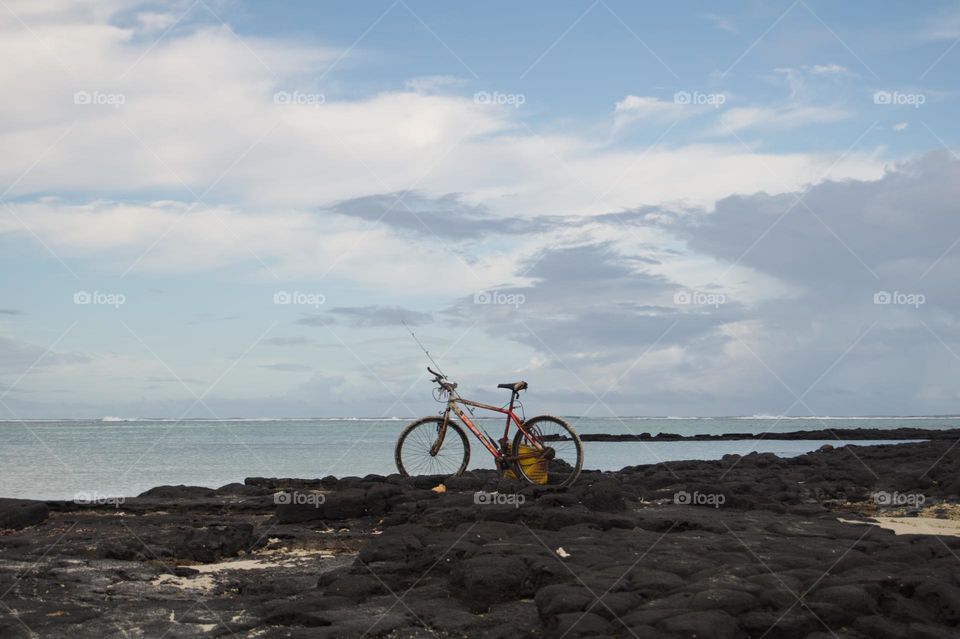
545,449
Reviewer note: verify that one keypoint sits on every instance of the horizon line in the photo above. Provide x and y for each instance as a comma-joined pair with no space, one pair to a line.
112,418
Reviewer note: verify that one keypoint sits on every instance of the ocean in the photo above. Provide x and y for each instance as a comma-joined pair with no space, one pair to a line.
123,457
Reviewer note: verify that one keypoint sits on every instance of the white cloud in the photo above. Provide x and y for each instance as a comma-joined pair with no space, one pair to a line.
170,237
634,108
433,83
827,69
724,23
198,109
199,112
781,117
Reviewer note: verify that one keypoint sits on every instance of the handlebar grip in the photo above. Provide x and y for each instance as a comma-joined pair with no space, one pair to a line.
430,370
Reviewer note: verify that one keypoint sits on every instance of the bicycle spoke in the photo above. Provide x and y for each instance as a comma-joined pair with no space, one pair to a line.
566,456
415,448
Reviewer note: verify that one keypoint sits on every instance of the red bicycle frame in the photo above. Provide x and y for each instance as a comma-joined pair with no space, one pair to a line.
502,454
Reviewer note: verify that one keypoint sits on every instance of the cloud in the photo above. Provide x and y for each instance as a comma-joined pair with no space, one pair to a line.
857,238
801,107
18,356
875,222
589,302
174,139
434,83
724,23
827,69
780,117
156,379
638,108
211,318
368,316
798,293
598,236
287,367
445,216
10,311
287,341
173,238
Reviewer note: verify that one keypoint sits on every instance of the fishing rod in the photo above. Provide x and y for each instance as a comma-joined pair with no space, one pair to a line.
434,362
423,348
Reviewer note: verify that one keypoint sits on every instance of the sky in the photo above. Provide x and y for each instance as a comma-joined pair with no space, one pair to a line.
216,209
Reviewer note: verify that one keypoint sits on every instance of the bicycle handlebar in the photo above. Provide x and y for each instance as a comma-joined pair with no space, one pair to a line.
440,379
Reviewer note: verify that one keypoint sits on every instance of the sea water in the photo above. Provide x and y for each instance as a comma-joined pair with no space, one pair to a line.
123,457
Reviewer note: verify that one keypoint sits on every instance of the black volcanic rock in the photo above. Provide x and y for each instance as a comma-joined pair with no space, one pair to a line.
20,513
746,546
850,434
178,492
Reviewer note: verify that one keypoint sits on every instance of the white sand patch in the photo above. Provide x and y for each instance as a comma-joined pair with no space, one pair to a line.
279,557
296,553
913,525
264,559
240,564
200,582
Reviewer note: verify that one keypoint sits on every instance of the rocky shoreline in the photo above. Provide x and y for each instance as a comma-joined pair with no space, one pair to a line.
751,546
846,434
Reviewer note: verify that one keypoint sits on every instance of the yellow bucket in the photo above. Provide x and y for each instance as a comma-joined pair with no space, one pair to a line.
534,466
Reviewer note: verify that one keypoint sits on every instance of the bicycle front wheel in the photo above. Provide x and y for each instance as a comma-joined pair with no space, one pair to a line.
550,453
418,452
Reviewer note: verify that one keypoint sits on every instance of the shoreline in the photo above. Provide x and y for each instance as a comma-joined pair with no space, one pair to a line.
721,548
639,449
904,433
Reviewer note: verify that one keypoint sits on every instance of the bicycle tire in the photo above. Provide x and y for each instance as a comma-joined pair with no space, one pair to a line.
531,426
419,447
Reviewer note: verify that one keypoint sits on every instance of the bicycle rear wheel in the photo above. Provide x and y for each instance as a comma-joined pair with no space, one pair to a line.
553,448
414,453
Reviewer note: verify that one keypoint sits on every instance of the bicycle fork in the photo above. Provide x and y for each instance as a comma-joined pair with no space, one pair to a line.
441,433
